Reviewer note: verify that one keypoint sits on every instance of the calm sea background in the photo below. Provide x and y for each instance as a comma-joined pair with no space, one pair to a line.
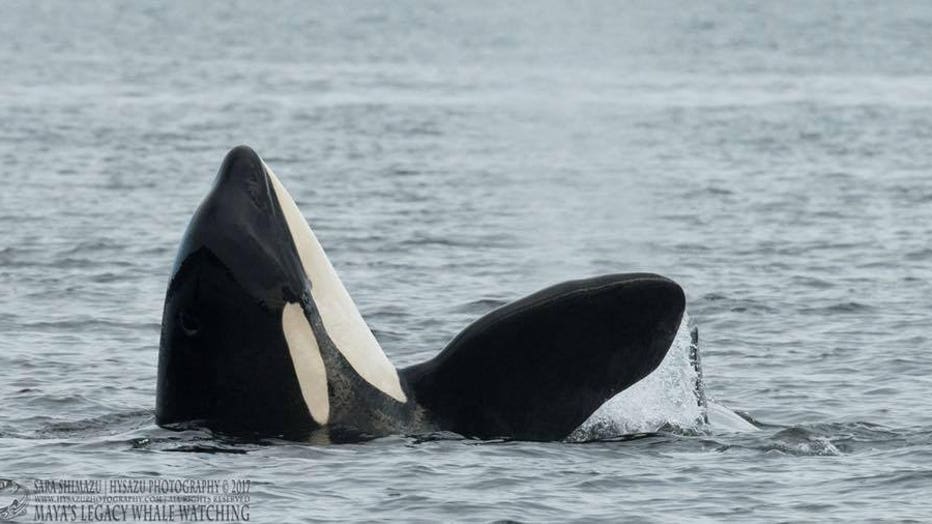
773,158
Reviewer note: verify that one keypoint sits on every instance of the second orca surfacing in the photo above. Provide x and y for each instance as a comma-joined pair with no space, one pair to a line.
259,336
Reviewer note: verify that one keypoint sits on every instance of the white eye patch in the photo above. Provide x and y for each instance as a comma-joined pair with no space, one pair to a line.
308,363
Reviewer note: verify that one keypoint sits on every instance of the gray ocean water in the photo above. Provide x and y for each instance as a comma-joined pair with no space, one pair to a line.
773,158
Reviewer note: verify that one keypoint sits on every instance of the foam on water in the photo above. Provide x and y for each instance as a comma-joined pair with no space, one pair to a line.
665,398
668,399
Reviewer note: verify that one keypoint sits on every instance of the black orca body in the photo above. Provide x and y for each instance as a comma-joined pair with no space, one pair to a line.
259,336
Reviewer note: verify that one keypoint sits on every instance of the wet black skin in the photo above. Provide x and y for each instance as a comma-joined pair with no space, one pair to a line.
537,368
534,369
223,358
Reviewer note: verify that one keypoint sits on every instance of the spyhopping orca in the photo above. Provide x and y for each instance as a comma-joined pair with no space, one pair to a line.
259,336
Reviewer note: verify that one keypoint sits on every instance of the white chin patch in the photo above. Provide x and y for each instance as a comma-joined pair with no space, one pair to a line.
342,320
308,364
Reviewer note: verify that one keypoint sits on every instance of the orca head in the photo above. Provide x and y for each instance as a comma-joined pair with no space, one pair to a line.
255,312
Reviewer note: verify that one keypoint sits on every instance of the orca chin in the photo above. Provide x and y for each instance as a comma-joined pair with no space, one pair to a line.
260,336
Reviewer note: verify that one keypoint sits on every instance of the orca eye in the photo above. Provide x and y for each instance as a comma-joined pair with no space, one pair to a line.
189,323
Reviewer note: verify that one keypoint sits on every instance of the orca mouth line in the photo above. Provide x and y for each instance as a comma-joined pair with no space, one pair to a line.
259,335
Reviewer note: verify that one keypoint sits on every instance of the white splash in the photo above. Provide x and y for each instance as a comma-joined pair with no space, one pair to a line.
667,397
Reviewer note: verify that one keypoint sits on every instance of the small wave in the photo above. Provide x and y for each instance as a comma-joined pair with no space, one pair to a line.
901,479
920,255
793,441
110,423
800,441
435,436
829,439
94,246
843,307
88,323
188,438
605,437
740,304
211,448
481,306
812,282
